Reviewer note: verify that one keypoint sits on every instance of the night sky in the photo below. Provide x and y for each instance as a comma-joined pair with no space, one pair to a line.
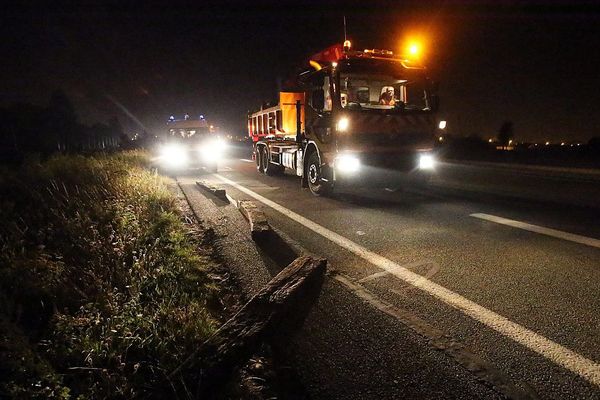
534,64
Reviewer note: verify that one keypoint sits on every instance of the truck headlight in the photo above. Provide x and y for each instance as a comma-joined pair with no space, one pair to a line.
174,155
347,163
213,150
342,124
426,161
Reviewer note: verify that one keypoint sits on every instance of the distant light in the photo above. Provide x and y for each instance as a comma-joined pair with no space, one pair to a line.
562,143
490,140
441,138
510,141
578,144
442,125
347,45
334,64
547,143
201,116
171,118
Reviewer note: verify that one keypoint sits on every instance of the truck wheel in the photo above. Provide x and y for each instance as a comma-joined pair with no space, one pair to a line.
270,168
314,174
273,169
260,150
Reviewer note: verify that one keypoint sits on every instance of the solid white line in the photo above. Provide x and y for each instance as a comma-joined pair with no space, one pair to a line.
555,352
540,229
246,160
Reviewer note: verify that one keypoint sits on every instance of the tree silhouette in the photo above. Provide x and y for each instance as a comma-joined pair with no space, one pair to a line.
28,128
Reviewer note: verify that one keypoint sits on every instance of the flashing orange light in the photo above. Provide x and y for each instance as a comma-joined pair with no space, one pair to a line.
414,49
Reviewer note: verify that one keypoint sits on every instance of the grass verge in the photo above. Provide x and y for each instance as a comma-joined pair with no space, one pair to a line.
102,288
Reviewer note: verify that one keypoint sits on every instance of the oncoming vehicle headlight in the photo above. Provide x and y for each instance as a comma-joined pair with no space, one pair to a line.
213,150
426,161
347,163
342,124
174,155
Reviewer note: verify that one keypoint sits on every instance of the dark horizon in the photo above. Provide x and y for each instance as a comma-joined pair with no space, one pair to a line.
531,64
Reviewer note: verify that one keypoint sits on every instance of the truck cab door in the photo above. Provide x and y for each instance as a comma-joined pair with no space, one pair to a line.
319,122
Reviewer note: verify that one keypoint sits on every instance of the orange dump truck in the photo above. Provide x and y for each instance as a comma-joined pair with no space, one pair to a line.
353,118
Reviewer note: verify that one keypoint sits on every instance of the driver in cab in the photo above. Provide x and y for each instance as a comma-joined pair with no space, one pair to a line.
387,97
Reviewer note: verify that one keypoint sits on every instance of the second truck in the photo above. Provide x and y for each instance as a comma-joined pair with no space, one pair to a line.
354,118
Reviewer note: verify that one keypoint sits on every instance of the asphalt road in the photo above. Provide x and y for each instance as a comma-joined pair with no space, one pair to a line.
435,295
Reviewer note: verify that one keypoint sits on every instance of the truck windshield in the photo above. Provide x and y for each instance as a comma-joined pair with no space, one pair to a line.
383,88
188,133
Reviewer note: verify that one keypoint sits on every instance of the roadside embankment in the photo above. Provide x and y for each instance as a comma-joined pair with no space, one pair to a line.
104,287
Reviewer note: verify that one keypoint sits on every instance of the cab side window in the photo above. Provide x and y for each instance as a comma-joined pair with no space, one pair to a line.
327,94
316,98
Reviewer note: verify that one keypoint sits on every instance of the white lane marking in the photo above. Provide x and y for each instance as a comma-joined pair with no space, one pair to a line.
246,160
540,229
434,269
553,351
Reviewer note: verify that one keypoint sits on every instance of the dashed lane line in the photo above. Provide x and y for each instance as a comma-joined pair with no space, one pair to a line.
588,241
552,351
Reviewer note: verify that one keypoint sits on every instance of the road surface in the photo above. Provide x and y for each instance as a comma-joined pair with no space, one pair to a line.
438,296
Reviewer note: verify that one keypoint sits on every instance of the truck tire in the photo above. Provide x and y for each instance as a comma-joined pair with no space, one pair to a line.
260,150
270,168
273,169
314,174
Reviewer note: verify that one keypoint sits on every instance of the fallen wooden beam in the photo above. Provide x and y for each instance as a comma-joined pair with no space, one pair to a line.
259,226
217,192
274,313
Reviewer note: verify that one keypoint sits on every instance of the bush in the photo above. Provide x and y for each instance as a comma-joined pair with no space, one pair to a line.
103,289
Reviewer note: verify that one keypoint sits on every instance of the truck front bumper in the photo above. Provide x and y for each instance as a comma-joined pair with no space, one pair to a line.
382,171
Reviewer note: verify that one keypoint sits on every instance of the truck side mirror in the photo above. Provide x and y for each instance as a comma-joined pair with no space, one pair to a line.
318,99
